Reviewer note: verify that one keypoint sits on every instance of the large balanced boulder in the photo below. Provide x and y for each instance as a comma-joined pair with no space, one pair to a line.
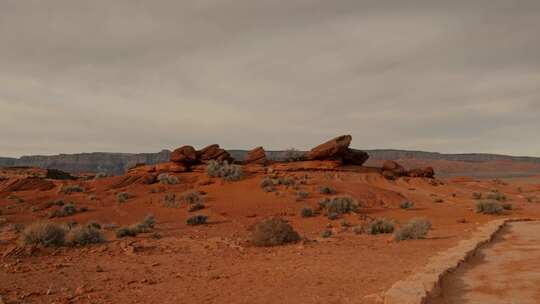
332,149
355,157
213,152
256,156
186,155
392,170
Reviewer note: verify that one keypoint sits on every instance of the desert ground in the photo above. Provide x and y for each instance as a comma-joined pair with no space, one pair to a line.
334,260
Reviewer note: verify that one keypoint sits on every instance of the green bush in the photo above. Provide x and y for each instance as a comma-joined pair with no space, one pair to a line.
122,197
417,228
66,210
193,197
273,232
307,212
327,190
169,201
197,220
167,179
489,207
406,205
497,196
85,235
44,234
68,189
224,170
339,205
380,226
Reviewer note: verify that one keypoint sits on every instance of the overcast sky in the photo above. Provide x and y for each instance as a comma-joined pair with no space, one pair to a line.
140,76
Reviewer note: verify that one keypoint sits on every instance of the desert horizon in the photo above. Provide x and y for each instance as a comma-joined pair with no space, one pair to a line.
269,152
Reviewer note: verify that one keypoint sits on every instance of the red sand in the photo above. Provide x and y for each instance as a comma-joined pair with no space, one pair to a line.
215,263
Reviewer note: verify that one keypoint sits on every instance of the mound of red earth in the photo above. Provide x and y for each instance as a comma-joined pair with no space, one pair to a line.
392,170
29,183
256,156
337,149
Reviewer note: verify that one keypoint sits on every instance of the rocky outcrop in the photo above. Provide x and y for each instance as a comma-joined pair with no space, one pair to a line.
213,152
392,170
183,158
29,183
332,149
256,156
186,155
337,149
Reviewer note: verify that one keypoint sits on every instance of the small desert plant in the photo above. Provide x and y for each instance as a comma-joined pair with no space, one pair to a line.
273,232
167,179
197,220
406,205
345,223
145,226
85,235
286,181
269,189
438,200
54,203
532,199
496,196
3,178
68,189
92,197
380,226
326,233
339,205
301,195
224,170
66,210
267,182
416,228
193,197
307,212
477,195
126,231
169,201
332,216
18,227
489,207
122,197
327,190
44,234
196,207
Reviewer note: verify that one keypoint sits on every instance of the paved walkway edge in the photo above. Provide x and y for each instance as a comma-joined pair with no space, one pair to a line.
421,286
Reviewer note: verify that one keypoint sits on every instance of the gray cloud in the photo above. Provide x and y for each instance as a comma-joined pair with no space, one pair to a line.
452,76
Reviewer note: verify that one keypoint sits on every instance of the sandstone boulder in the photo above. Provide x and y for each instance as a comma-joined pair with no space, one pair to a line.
185,155
332,149
392,170
256,156
213,152
355,157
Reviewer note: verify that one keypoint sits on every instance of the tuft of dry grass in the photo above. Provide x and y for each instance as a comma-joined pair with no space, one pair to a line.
274,232
44,233
416,228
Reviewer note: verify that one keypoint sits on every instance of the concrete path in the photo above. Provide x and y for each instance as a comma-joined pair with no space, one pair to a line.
505,272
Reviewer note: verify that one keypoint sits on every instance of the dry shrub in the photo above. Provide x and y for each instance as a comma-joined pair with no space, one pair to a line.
85,235
339,205
224,170
489,207
416,228
273,232
44,233
380,226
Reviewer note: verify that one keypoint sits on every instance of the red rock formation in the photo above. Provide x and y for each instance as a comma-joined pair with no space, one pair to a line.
185,155
355,157
256,156
332,149
213,152
29,183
